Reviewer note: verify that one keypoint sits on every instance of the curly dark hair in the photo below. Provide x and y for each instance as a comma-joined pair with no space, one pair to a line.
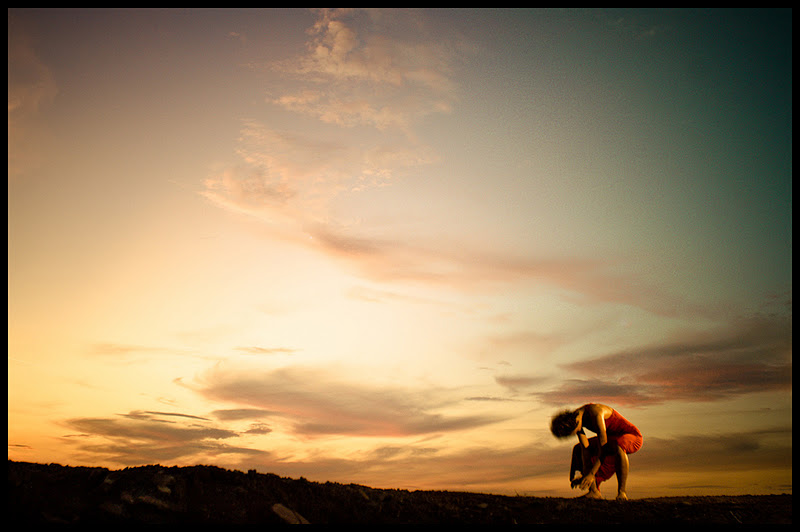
564,423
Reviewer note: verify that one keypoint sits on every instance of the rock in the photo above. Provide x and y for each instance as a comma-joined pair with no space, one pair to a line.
290,516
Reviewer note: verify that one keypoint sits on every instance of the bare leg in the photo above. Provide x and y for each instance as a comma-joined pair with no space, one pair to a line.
586,466
576,464
622,466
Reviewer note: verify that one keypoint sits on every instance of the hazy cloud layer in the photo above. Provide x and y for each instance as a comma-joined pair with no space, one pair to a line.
145,438
451,264
360,70
31,89
289,180
735,451
152,437
317,403
235,414
417,464
749,355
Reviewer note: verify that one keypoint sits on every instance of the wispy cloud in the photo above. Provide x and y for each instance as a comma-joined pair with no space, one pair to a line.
360,69
316,402
357,70
151,415
737,450
746,356
141,437
370,73
288,180
242,413
432,464
588,281
425,463
516,382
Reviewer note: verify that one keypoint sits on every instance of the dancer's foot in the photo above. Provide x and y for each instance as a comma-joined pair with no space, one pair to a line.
621,496
592,494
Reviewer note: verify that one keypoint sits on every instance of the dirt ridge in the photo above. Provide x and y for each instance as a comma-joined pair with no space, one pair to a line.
52,493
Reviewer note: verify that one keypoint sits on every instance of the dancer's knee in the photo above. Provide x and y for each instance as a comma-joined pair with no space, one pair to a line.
610,449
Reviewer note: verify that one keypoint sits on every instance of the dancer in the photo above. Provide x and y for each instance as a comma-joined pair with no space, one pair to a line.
600,457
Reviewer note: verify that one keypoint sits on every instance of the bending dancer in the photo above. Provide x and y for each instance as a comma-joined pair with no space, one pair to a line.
598,458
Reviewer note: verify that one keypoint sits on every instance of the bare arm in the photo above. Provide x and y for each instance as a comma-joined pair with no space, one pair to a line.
582,439
602,437
601,427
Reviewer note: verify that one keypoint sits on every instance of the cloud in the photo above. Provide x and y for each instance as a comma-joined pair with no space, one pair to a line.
305,220
288,180
143,426
369,71
141,437
579,391
358,69
454,264
486,398
316,402
432,464
446,263
748,355
32,88
758,450
148,414
258,428
31,85
514,383
429,463
236,414
361,68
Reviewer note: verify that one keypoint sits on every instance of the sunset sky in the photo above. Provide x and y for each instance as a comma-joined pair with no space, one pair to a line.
384,247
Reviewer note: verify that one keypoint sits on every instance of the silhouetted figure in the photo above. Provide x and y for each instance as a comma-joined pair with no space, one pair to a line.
598,458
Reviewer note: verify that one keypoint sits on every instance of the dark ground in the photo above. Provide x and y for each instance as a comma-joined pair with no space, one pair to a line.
52,493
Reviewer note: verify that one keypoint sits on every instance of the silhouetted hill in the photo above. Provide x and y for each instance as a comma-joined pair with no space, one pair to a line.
209,495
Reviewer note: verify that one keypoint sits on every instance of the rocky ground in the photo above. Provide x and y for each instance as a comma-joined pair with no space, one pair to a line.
52,493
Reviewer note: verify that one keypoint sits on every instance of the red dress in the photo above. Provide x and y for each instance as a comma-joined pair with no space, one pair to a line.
627,437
